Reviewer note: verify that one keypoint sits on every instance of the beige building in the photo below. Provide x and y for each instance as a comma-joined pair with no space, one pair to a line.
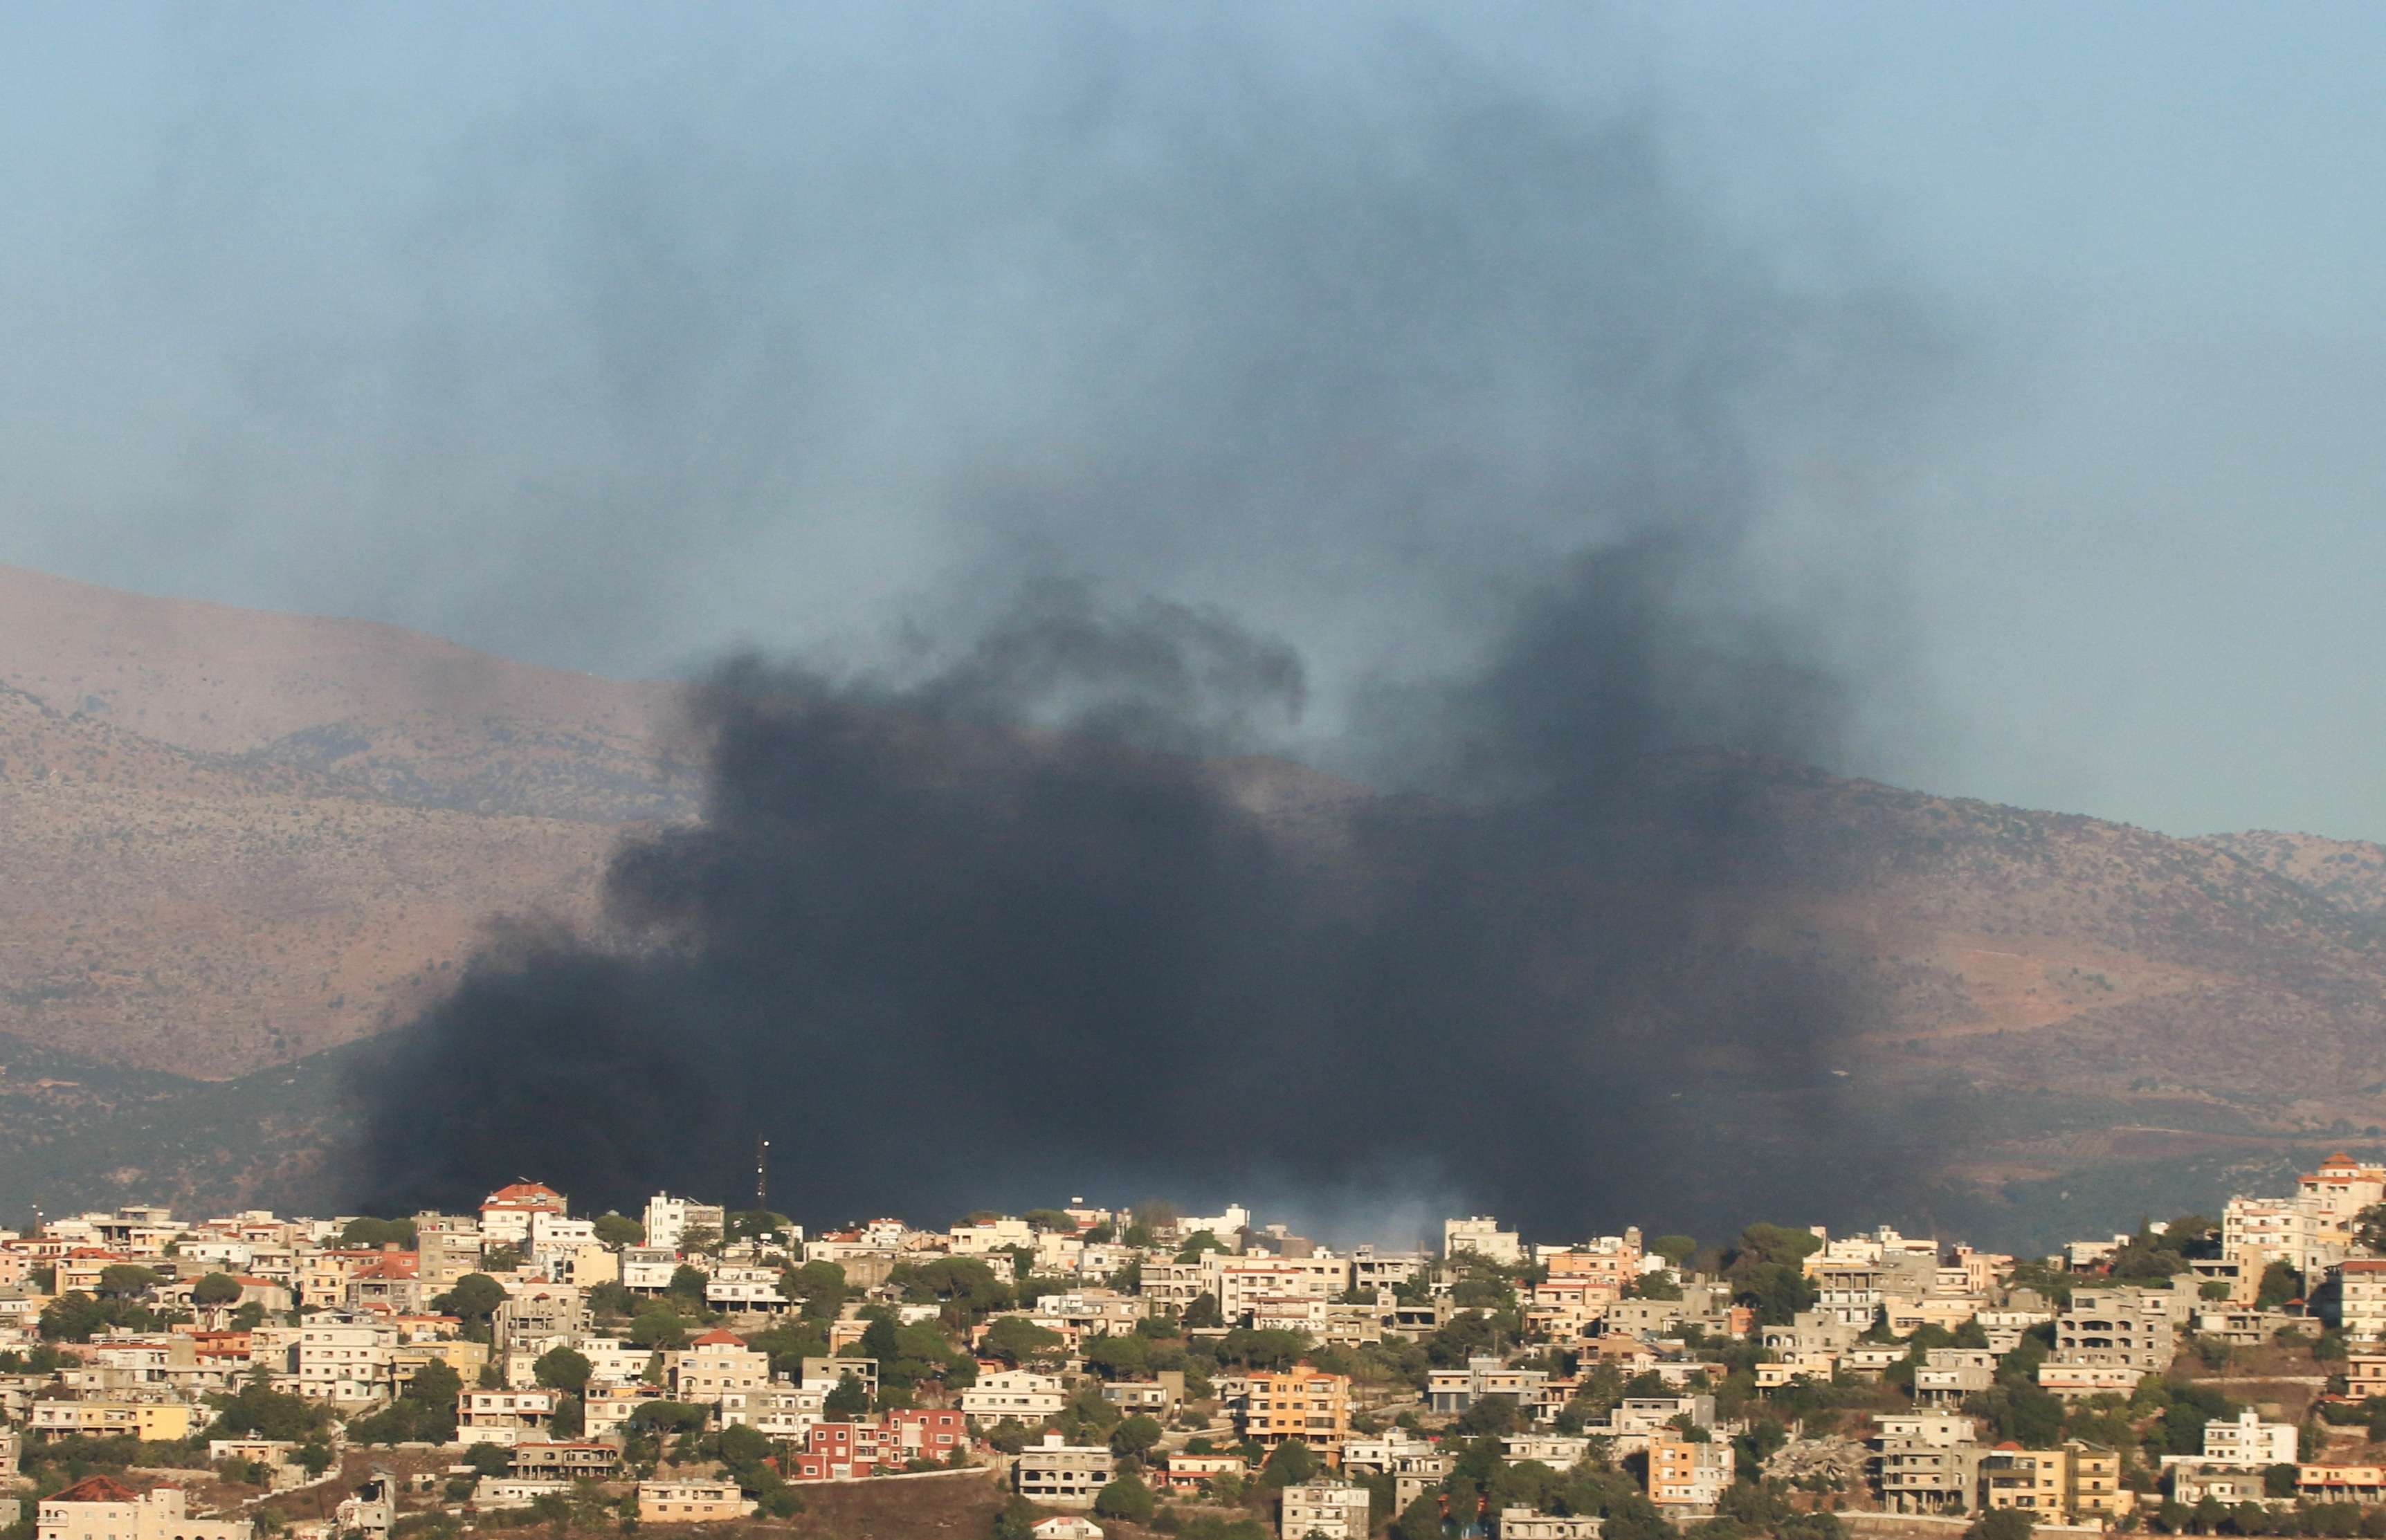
1482,1235
714,1365
2361,1298
1529,1523
691,1502
1324,1508
1926,1462
2078,1482
100,1508
151,1421
1063,1474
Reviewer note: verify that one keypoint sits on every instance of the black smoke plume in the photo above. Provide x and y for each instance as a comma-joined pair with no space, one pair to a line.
1051,904
1011,929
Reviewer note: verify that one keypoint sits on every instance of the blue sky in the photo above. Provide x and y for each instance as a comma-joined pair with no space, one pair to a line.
617,336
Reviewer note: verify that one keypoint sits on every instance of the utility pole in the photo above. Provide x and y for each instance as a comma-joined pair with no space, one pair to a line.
761,1174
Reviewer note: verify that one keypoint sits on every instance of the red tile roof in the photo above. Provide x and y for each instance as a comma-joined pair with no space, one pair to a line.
96,1489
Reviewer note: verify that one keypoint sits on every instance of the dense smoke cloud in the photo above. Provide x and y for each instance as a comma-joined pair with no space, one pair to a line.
1425,363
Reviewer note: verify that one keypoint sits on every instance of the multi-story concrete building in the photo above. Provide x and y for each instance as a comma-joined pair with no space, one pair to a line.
2245,1439
1018,1394
2078,1482
504,1417
101,1508
1325,1509
1926,1462
669,1219
1302,1402
1687,1477
542,1316
344,1360
691,1502
1454,1390
506,1213
1482,1235
1946,1375
2360,1305
1531,1523
1064,1474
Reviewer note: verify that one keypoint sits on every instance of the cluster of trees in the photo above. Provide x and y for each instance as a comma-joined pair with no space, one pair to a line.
424,1411
260,1411
121,1300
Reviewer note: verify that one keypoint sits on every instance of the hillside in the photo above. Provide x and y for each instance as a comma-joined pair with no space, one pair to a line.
235,842
171,910
425,721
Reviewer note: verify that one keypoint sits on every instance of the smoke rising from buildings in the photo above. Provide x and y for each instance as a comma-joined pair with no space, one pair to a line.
1331,742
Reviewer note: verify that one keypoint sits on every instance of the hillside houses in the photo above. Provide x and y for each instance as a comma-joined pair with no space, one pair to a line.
1066,1348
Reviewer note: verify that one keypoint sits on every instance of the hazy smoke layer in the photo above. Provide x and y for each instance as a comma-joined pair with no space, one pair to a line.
1416,348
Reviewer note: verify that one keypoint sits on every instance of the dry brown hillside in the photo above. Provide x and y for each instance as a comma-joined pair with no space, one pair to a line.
421,719
178,911
2351,873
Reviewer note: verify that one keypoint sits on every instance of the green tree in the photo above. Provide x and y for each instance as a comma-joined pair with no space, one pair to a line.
1288,1464
371,1234
122,1280
1119,1357
619,1230
1015,1520
848,1400
216,1288
1127,1499
2000,1523
1203,1312
562,1368
472,1300
755,1224
660,1328
260,1411
1016,1340
1137,1436
1420,1520
423,1412
74,1317
2280,1284
1675,1249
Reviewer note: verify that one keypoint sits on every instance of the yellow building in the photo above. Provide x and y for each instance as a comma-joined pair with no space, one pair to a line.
1302,1403
2078,1482
151,1421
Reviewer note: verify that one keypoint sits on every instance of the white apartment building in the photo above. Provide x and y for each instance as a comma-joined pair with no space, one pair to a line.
345,1361
1482,1235
504,1417
744,1288
2361,1298
2245,1439
670,1219
1014,1392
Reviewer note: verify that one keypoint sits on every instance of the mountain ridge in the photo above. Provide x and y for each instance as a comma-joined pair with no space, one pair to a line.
238,841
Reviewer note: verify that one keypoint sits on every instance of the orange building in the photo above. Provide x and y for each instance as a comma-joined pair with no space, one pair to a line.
1302,1402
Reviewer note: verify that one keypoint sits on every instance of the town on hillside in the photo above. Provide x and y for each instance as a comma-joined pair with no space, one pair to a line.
1080,1371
